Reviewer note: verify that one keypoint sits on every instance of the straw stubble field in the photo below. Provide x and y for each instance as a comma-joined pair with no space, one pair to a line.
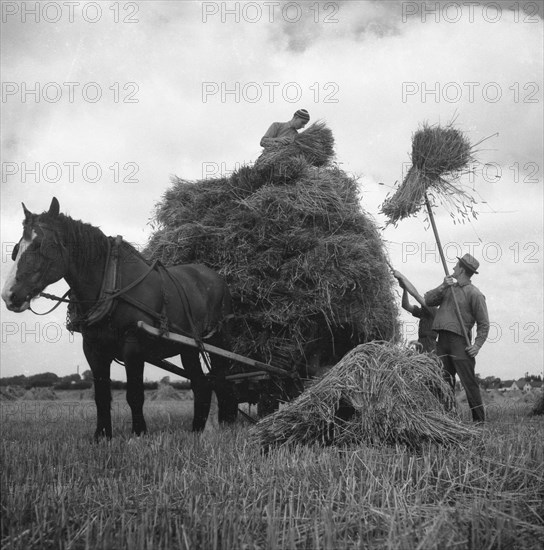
172,489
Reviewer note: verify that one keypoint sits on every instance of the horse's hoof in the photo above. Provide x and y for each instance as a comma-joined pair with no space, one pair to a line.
139,430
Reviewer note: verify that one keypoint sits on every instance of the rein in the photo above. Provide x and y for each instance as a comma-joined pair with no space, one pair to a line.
112,293
53,297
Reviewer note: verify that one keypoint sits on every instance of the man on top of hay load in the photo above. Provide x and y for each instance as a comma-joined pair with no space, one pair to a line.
283,133
456,357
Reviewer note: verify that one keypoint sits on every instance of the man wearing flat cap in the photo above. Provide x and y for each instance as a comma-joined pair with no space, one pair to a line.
283,133
456,357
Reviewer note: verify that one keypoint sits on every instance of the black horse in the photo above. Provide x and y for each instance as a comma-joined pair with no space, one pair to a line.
112,287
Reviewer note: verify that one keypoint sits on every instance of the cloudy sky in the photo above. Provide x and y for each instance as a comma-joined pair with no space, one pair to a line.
103,101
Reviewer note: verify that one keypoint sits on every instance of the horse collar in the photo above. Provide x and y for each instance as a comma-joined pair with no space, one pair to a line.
104,305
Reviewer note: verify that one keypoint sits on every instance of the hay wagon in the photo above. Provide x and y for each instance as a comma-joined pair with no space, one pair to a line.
257,386
306,266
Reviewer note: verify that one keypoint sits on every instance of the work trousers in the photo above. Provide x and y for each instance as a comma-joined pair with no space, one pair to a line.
451,350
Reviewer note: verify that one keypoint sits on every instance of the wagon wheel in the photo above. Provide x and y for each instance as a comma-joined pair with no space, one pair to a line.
269,398
276,391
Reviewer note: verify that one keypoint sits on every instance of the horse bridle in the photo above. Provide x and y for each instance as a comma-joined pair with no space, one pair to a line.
60,300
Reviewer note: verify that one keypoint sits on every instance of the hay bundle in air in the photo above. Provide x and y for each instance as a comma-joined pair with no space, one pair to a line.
379,393
305,264
439,156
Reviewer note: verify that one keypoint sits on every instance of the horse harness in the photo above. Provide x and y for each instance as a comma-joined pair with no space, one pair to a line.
110,292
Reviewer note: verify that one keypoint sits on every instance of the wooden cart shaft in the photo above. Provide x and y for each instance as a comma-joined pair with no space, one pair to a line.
179,338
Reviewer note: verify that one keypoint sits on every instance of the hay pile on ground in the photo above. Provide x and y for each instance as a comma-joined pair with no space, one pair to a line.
538,408
11,393
40,394
379,393
305,264
165,392
439,155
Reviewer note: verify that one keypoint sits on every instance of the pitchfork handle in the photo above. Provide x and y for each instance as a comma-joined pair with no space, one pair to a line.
443,258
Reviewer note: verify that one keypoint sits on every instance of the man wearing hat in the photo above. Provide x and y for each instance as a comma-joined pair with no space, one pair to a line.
456,357
283,133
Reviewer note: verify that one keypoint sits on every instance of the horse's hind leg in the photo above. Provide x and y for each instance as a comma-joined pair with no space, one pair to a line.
227,401
201,387
134,366
100,367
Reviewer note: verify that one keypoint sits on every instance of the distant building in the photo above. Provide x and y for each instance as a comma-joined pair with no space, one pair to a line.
529,385
509,385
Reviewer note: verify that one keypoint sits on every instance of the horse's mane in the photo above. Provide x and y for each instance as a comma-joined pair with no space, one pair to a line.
85,242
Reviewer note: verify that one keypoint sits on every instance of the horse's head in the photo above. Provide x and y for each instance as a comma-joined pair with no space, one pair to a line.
38,256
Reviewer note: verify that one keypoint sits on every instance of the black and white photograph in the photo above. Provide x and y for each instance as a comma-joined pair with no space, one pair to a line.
272,275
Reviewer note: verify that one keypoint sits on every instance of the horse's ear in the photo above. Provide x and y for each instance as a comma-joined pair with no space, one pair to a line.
15,252
54,209
27,212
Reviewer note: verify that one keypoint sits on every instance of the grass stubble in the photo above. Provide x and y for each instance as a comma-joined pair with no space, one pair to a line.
173,489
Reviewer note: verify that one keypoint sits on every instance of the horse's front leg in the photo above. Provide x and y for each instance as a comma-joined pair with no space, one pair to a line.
134,365
100,367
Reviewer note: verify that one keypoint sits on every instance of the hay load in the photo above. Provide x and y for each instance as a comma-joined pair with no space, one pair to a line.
305,264
379,393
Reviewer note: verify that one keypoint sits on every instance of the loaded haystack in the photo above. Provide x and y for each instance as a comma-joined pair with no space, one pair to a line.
379,393
305,264
439,156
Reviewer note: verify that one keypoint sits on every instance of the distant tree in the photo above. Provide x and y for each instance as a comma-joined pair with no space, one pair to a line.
165,380
182,385
533,377
71,381
18,380
489,381
42,380
87,376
